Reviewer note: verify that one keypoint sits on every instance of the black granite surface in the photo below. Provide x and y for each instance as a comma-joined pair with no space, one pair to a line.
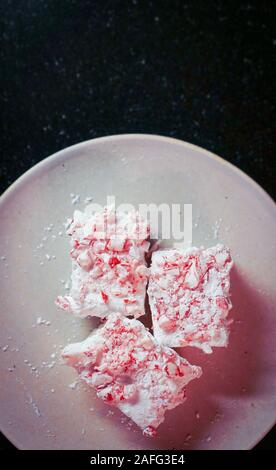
201,71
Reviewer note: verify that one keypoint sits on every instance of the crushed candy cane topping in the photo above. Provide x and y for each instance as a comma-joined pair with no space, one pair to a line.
129,369
189,297
109,271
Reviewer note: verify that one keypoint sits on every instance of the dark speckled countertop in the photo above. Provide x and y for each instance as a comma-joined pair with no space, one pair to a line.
201,71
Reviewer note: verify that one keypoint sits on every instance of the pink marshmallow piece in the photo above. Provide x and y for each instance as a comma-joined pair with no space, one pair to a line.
109,271
189,297
127,367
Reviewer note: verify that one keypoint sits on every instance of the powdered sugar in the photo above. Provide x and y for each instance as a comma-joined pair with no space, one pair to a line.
41,321
73,385
33,405
216,228
75,198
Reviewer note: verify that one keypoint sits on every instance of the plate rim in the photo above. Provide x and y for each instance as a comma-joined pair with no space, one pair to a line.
61,153
132,136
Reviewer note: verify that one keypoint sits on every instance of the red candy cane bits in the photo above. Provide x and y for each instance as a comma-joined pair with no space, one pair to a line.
109,271
189,297
130,370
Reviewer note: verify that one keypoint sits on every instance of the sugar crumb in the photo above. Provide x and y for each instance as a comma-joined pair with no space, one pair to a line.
75,198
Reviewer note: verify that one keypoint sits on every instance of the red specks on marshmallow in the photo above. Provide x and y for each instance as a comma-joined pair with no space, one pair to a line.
129,369
108,264
189,297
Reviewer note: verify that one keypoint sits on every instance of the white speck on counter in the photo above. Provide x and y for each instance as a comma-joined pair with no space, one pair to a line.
52,390
5,348
60,233
48,256
197,415
41,263
67,285
53,355
3,258
208,439
83,431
